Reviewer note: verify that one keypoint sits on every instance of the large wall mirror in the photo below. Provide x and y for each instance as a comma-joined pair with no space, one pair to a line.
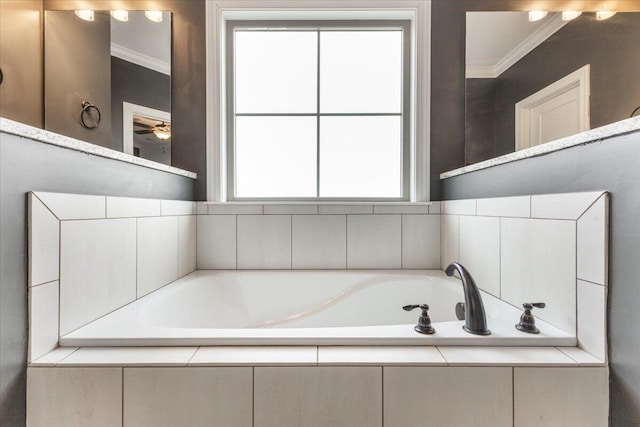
108,79
531,82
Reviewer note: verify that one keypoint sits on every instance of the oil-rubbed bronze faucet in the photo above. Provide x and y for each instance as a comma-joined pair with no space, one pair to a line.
475,318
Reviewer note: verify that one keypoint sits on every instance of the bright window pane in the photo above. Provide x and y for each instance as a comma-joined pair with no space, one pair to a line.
361,72
360,156
276,71
275,156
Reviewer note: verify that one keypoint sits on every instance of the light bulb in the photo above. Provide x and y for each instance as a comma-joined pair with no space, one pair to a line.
87,15
153,15
601,15
536,15
120,15
162,134
568,15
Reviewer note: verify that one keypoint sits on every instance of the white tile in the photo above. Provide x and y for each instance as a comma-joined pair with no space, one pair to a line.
413,208
255,356
379,355
74,206
449,240
582,357
507,356
74,397
201,208
177,207
319,241
131,356
235,209
505,206
435,208
447,396
43,319
562,206
282,209
169,397
98,269
592,319
332,209
264,242
374,241
459,207
561,397
187,237
44,243
593,227
127,207
54,356
421,241
216,242
538,264
480,251
157,251
318,396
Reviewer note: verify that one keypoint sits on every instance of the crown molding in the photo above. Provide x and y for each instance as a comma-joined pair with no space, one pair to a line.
140,59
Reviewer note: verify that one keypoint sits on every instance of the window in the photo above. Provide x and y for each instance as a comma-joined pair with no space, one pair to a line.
318,110
228,121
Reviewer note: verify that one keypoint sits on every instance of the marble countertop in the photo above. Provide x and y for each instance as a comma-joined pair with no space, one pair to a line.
41,135
594,135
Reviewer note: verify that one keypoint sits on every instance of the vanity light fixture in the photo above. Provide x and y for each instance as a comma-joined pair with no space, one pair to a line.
568,15
153,15
601,15
536,15
87,15
120,15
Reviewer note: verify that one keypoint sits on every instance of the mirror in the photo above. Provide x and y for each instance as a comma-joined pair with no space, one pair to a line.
108,79
528,83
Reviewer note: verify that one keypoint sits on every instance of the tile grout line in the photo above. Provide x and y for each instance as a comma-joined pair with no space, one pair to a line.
513,395
122,407
236,261
193,355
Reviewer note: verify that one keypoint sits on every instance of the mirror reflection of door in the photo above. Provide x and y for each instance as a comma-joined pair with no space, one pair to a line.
146,133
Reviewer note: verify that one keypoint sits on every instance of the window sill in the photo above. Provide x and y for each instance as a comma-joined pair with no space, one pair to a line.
316,208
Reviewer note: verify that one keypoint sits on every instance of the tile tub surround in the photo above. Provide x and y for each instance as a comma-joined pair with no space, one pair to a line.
549,248
89,255
309,236
317,386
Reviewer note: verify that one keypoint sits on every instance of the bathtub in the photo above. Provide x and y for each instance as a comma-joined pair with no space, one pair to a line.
213,307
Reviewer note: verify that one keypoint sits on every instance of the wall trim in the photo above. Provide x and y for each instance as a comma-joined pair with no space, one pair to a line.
140,59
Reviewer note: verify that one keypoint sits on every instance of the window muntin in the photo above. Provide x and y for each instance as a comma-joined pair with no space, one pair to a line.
358,96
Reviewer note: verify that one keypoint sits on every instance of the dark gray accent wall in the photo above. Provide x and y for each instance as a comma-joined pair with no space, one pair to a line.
26,165
611,48
480,120
612,165
138,85
21,61
77,69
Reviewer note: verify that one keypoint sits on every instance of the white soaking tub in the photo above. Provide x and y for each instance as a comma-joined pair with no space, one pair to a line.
212,307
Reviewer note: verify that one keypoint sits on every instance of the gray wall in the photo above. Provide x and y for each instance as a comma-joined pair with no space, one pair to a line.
611,47
137,85
25,166
77,68
612,165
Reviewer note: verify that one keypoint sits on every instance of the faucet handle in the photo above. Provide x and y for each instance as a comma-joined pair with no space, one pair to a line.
424,322
530,305
412,306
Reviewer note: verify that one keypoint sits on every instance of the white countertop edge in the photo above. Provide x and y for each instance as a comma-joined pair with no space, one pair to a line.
41,135
594,135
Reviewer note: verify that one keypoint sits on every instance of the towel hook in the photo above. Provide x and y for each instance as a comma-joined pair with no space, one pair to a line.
93,114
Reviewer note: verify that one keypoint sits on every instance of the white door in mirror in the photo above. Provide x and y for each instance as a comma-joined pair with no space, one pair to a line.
559,110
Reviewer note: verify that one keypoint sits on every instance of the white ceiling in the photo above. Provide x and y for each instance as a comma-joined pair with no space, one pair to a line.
496,40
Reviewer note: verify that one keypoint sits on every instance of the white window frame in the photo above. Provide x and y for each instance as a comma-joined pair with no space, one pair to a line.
220,11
